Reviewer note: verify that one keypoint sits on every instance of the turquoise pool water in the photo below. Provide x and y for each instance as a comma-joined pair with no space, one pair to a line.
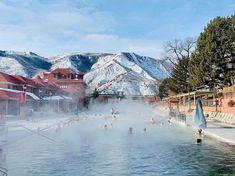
87,148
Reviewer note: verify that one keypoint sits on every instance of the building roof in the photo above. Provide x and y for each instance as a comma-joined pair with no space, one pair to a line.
27,81
64,71
14,94
71,89
70,80
5,78
57,97
39,82
46,83
173,100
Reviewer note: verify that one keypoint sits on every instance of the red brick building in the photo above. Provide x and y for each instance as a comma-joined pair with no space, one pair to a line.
10,82
12,88
70,81
60,89
67,79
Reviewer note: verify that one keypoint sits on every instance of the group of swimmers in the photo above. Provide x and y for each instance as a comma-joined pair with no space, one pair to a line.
70,122
108,126
113,116
130,130
152,121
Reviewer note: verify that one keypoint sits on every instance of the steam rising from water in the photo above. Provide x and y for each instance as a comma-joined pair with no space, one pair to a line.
129,114
87,148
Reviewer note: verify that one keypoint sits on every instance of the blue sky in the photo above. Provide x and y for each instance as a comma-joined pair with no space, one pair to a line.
53,27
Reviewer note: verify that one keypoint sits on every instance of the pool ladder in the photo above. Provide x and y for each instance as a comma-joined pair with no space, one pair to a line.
3,171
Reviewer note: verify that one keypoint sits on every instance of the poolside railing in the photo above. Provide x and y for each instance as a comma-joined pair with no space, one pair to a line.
3,171
178,116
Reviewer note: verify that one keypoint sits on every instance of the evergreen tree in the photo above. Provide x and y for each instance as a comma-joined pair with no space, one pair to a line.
213,62
179,81
164,88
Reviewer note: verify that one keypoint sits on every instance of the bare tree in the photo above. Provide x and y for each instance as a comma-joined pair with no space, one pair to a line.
177,49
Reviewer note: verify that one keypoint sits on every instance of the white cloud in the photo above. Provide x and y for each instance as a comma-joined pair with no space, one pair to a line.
59,27
113,43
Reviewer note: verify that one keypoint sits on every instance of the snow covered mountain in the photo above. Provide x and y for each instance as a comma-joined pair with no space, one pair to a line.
78,61
109,73
127,72
22,63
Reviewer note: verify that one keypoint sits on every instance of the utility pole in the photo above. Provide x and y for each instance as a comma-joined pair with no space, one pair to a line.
215,94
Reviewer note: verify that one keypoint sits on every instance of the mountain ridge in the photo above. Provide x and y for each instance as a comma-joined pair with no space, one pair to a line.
125,71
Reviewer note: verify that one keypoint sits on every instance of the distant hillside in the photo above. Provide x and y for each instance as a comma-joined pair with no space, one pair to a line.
109,73
79,61
22,63
128,72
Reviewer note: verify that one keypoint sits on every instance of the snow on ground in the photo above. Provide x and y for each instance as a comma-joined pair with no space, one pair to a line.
11,66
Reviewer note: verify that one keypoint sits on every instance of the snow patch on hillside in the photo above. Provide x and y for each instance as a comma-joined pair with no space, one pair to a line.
127,72
11,66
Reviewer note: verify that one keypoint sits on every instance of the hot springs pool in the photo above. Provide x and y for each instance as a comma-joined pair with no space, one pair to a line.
86,148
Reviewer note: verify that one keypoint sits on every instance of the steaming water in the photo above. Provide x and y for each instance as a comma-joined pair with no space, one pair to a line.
86,148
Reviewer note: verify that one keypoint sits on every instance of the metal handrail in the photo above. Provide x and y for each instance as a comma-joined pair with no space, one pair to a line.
3,171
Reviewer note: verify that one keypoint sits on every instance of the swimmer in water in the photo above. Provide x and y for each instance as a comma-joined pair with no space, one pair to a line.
114,117
130,130
112,111
144,130
152,120
199,136
105,126
169,121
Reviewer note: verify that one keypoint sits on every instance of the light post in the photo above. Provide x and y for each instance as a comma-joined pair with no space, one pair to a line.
25,98
215,95
50,98
24,89
40,101
40,93
25,95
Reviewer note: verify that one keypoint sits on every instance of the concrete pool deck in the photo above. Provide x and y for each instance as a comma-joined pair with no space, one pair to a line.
221,131
218,130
